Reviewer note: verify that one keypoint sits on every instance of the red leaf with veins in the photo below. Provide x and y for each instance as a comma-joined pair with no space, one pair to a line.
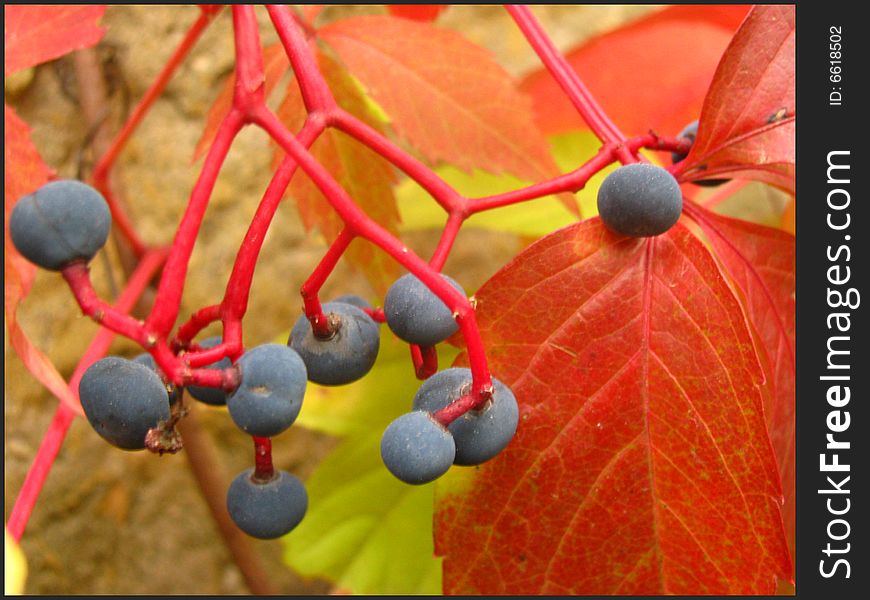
36,34
444,95
642,463
747,124
761,263
670,57
24,172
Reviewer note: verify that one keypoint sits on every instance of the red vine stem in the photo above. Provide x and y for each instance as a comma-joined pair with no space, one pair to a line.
168,301
311,287
565,76
358,222
104,165
64,415
263,469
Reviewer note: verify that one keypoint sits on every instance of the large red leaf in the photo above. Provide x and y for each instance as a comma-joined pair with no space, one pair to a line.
641,464
24,171
747,123
275,64
761,263
650,74
35,34
366,176
445,95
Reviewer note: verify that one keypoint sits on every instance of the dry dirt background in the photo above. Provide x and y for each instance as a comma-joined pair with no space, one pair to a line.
113,522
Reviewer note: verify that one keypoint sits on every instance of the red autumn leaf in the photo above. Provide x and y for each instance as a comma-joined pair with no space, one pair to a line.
445,95
650,74
747,124
275,64
642,463
36,34
416,12
366,176
24,172
761,263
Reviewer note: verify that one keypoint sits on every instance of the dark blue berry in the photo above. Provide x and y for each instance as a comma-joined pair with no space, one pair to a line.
416,315
61,222
640,200
416,448
345,356
210,395
171,389
479,434
123,400
269,395
691,131
266,510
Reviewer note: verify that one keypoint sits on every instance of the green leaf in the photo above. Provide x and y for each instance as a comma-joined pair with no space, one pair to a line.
365,530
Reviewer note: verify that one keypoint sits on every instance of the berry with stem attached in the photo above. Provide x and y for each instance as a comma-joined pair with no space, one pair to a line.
266,509
416,448
416,315
479,434
640,200
269,396
123,400
62,222
347,354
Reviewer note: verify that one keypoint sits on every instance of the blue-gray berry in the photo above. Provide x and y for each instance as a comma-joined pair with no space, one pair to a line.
61,222
266,510
416,315
122,400
270,392
640,200
416,448
344,357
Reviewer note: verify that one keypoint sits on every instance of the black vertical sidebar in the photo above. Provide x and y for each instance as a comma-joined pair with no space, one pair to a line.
833,344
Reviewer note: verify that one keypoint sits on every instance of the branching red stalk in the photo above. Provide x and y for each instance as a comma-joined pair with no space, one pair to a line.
63,416
358,222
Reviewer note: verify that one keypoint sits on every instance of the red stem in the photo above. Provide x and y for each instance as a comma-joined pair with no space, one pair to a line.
63,416
445,244
358,222
311,288
78,277
197,322
168,301
235,302
565,76
439,189
104,165
316,94
425,359
263,468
